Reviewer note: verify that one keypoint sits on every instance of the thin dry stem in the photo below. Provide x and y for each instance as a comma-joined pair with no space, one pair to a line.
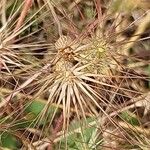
3,16
7,99
26,8
55,17
141,28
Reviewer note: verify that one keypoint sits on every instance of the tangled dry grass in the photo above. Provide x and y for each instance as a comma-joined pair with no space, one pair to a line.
74,75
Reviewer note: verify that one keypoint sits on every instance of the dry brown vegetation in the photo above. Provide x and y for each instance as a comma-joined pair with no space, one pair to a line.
74,74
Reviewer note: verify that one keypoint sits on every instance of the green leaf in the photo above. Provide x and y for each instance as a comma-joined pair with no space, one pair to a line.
9,141
76,140
130,118
35,109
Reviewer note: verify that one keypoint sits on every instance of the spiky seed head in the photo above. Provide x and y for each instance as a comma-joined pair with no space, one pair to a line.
96,55
63,42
